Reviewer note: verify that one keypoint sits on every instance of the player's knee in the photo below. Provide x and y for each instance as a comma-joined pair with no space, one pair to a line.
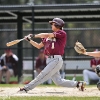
85,71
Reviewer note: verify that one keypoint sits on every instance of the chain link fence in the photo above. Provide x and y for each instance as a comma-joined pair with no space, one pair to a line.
89,38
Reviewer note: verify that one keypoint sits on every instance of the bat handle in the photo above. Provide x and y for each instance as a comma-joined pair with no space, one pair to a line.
22,39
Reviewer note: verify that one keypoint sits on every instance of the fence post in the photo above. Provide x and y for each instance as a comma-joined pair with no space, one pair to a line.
20,45
33,49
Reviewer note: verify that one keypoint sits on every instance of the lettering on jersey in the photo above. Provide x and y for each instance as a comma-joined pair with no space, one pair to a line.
52,41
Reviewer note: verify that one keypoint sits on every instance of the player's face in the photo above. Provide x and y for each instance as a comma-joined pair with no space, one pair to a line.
8,54
53,27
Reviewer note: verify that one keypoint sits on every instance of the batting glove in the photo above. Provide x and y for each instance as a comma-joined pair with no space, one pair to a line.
28,37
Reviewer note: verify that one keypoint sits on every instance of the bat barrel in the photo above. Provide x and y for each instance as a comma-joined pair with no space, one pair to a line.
14,42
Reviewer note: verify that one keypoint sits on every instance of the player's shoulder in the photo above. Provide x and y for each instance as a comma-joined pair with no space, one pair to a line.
15,57
62,31
3,55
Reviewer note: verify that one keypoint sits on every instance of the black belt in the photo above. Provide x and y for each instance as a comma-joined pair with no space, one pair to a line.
51,56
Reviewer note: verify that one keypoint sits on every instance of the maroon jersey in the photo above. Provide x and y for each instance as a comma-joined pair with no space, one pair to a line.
95,62
56,45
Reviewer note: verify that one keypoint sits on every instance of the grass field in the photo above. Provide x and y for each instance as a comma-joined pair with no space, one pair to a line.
67,77
49,98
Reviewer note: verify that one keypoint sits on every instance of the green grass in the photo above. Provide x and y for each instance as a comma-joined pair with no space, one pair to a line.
78,78
13,79
49,98
21,85
11,85
42,85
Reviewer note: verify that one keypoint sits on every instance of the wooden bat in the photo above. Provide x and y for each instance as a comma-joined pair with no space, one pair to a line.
74,78
14,42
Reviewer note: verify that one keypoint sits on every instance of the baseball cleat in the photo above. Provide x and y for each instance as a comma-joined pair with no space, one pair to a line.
81,85
22,90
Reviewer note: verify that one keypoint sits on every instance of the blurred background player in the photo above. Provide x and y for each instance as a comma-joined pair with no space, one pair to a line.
9,62
41,64
90,74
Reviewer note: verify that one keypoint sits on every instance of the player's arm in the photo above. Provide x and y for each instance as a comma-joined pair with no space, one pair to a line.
93,67
94,54
44,35
41,35
37,45
2,62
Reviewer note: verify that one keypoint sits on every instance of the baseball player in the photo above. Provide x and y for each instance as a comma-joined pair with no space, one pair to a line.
90,73
97,69
54,44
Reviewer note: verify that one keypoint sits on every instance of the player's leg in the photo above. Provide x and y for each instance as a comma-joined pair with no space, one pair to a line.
67,83
8,75
52,67
63,82
87,75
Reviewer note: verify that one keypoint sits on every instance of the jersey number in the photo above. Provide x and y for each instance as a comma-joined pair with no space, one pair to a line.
52,45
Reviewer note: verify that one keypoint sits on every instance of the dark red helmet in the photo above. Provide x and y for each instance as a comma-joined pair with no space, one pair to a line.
58,22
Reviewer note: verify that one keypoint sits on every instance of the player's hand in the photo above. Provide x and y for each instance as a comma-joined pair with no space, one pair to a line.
38,70
28,37
4,68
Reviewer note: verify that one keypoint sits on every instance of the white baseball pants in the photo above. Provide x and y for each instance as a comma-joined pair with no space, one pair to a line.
54,64
87,75
49,81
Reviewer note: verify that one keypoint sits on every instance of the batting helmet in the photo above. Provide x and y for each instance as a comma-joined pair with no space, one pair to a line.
97,70
58,22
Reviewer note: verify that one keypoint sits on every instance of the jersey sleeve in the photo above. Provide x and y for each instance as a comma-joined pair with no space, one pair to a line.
59,34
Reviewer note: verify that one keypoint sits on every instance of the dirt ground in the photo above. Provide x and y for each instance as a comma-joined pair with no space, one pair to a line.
51,91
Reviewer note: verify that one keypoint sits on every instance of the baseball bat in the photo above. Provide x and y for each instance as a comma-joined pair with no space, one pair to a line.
14,42
74,78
